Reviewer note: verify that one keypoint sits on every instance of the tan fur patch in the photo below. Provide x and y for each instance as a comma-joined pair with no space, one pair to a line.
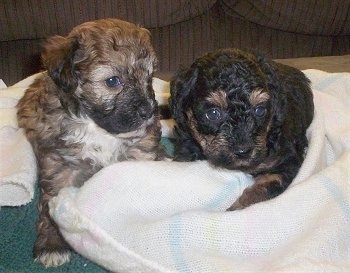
268,178
260,140
202,140
258,96
218,98
258,192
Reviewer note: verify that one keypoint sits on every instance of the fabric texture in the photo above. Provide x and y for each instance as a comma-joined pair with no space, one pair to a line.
18,171
299,16
170,217
181,30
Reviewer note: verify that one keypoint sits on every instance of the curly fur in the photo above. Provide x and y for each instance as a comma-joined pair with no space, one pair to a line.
243,112
94,106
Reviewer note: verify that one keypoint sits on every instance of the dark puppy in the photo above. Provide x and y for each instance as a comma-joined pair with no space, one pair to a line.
94,106
243,112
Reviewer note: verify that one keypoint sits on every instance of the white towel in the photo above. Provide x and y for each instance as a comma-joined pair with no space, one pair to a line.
2,84
170,217
18,170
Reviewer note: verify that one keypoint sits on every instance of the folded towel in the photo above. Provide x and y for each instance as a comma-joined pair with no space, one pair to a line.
18,171
2,84
170,217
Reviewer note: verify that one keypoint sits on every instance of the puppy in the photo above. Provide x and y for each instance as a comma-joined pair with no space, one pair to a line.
243,112
94,106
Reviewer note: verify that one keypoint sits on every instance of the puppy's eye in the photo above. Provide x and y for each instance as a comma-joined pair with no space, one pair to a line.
260,111
213,114
113,81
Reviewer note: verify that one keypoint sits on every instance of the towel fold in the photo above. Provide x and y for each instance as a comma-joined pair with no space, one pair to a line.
18,169
170,217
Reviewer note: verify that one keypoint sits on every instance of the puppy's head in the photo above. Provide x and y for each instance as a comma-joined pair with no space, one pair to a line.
229,102
103,69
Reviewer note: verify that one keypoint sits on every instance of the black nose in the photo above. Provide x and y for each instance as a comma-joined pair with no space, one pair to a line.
242,150
145,111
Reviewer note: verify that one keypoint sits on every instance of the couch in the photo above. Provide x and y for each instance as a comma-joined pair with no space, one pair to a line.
184,29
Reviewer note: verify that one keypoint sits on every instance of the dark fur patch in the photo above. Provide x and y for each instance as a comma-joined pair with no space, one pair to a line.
261,112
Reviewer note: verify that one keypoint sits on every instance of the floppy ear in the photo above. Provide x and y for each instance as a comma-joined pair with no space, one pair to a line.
278,100
186,148
180,88
58,59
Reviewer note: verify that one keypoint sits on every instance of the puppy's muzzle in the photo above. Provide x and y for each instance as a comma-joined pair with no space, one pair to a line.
243,151
145,110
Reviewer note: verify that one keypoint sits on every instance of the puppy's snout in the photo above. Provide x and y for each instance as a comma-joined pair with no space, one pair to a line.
145,110
242,150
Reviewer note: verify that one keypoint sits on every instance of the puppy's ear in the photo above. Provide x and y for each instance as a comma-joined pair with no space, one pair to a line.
278,102
267,67
186,148
180,88
58,59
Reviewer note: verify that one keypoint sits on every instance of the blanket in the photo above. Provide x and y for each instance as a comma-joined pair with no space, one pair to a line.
18,172
170,217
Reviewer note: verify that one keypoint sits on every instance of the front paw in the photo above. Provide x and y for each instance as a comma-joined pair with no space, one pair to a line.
250,196
51,250
53,258
265,187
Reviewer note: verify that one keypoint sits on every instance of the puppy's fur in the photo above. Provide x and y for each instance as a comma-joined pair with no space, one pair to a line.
243,112
94,106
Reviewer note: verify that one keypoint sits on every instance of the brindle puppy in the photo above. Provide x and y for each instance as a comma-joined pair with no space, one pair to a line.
94,106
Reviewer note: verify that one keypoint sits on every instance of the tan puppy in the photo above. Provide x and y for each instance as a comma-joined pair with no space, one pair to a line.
94,106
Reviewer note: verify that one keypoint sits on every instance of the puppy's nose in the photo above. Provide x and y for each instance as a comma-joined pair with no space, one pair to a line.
242,150
145,111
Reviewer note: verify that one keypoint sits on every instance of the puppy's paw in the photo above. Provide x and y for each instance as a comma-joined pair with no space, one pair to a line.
51,250
53,258
265,187
250,196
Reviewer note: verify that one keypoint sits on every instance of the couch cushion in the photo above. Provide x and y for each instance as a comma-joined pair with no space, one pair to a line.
41,18
299,16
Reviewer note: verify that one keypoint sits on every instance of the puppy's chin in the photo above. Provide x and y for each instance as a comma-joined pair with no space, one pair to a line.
124,126
253,163
121,121
139,131
231,161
